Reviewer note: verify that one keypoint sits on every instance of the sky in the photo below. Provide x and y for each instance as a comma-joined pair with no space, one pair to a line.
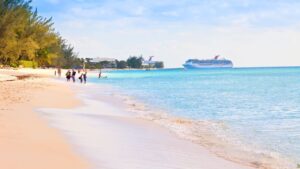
249,32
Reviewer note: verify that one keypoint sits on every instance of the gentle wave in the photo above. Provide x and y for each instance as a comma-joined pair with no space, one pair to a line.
213,135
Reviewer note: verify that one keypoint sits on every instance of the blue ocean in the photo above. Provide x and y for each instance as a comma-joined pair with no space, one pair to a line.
259,105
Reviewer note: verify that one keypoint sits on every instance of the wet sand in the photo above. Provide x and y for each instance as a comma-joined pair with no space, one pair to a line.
26,140
111,138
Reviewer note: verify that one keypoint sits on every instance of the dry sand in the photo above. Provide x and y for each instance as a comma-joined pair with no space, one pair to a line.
26,140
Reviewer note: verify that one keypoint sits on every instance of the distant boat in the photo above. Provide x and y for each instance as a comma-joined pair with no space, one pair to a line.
216,62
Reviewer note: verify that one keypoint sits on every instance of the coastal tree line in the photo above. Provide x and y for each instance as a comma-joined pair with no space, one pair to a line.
133,62
28,39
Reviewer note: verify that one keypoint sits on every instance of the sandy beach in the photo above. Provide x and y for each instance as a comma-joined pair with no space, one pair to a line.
27,141
111,140
68,133
187,84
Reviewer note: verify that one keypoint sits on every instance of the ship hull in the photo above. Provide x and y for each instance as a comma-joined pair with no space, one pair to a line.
195,66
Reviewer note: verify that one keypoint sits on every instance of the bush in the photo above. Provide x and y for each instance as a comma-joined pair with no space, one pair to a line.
121,64
159,65
28,64
14,65
135,62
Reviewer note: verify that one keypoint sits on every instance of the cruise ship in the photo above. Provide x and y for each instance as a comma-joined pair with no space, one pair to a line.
216,62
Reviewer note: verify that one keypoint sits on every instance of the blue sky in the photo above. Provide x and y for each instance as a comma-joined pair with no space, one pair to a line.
250,32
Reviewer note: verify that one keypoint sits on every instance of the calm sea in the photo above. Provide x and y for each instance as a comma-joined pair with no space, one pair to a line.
260,105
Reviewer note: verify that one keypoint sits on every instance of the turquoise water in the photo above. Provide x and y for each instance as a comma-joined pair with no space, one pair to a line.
262,105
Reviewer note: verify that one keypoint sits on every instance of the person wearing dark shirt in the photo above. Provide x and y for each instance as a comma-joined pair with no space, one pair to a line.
68,75
73,75
84,76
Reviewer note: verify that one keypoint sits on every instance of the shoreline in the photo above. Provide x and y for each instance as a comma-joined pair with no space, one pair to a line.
232,144
203,133
111,111
27,141
111,138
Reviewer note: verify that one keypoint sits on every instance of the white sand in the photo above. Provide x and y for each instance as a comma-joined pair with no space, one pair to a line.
112,139
4,77
26,140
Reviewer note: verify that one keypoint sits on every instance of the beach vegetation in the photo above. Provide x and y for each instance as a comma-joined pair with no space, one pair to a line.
135,62
121,64
28,64
27,36
159,65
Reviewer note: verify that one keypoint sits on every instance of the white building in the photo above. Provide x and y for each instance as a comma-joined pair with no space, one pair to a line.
105,62
103,59
150,63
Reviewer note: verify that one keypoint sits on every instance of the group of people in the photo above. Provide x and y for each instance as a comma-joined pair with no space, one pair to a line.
71,74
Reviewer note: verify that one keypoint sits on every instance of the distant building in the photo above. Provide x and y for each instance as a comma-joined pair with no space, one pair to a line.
105,62
98,60
152,64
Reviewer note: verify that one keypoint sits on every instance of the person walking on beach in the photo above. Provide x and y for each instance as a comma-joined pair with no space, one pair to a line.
85,76
68,75
81,76
100,74
73,75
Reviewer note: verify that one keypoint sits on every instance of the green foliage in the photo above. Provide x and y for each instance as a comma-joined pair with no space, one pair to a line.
15,65
159,65
69,59
135,62
24,35
28,64
121,64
